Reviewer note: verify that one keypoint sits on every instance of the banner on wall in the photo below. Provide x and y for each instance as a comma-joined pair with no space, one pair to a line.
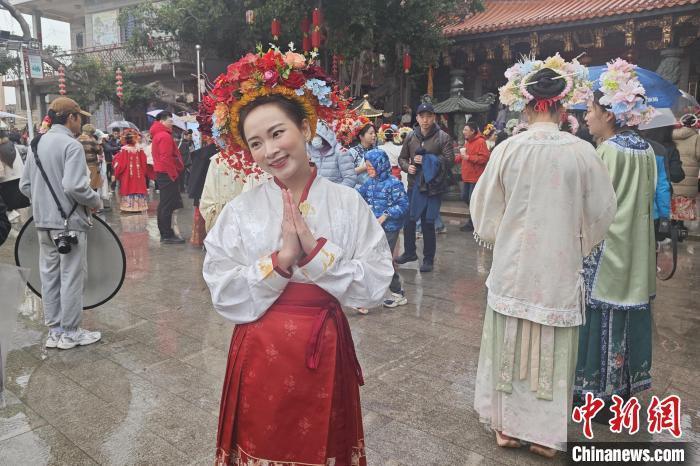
105,28
36,68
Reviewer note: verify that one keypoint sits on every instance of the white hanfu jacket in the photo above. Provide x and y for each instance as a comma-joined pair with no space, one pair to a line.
351,261
544,202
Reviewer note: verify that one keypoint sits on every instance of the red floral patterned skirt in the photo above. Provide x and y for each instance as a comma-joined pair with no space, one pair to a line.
683,208
291,392
199,231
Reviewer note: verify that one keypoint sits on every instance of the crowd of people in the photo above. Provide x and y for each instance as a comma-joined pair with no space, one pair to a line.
301,216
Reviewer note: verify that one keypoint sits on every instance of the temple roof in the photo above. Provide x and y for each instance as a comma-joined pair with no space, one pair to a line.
502,15
457,103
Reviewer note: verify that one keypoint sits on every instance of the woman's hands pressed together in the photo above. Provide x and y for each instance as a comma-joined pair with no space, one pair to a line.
297,239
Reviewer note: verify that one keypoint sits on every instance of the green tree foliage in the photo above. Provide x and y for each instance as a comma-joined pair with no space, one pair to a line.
349,26
101,85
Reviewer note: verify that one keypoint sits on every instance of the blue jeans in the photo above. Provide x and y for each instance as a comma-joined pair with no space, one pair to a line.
467,191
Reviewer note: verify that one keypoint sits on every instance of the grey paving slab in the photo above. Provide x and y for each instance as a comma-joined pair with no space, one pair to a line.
149,392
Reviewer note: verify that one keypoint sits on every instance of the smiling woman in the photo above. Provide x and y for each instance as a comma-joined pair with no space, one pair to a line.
281,261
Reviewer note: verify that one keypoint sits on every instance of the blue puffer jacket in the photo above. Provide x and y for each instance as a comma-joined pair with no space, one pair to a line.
331,160
384,193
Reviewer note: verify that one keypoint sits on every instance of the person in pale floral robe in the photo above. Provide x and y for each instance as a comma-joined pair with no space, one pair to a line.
543,203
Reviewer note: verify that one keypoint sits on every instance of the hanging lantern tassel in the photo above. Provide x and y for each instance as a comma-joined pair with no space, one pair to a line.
406,62
61,80
276,29
120,89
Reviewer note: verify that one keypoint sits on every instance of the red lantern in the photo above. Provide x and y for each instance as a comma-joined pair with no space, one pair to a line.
316,17
120,89
305,39
316,38
61,80
406,62
276,29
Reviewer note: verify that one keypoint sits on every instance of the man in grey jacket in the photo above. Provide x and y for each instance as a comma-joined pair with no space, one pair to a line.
62,275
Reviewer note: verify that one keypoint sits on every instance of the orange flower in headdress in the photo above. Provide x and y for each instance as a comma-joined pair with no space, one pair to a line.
135,137
291,75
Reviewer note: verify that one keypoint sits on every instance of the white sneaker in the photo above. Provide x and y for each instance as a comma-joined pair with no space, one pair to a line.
397,299
80,337
53,339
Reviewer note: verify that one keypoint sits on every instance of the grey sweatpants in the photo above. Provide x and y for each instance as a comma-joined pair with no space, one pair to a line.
62,280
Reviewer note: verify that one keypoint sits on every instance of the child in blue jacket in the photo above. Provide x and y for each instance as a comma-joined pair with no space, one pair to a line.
388,200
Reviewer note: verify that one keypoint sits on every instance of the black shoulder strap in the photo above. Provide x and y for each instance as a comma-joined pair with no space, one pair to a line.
53,193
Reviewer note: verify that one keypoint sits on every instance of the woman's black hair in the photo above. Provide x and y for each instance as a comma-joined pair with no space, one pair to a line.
293,110
129,138
500,137
364,129
596,101
7,152
162,116
57,119
389,134
546,84
473,125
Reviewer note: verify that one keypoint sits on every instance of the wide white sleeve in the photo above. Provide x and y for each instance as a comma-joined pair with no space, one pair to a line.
241,290
488,202
357,274
599,201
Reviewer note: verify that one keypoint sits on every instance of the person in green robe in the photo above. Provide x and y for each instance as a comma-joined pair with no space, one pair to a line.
614,352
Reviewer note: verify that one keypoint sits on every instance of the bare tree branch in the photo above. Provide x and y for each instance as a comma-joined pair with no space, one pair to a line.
27,36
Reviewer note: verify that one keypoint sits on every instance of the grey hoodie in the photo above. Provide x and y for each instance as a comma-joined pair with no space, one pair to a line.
331,160
63,159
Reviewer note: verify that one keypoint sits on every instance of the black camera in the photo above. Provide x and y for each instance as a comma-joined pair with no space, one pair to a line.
65,240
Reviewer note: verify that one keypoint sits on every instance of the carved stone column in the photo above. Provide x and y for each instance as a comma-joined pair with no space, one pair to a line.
670,66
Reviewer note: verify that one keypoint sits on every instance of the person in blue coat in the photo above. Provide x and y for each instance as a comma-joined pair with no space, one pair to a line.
388,200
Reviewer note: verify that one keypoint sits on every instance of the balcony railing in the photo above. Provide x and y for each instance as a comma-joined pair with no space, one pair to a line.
120,54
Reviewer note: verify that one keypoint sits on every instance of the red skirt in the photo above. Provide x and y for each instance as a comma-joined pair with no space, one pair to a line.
291,392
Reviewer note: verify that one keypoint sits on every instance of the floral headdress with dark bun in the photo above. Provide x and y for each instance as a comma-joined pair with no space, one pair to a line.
623,94
516,94
290,75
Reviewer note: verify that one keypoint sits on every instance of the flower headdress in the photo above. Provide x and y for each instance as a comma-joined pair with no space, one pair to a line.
571,120
623,94
135,136
290,75
516,95
348,126
488,130
403,133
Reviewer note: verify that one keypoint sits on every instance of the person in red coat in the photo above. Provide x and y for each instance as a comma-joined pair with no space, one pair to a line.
130,168
167,164
473,157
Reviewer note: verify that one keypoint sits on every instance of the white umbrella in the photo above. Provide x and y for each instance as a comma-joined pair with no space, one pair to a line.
663,117
122,124
154,113
10,115
179,122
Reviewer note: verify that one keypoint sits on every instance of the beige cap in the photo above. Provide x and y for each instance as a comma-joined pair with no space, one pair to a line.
66,106
89,129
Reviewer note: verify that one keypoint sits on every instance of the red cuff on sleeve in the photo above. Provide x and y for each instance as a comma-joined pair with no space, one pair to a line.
319,245
275,264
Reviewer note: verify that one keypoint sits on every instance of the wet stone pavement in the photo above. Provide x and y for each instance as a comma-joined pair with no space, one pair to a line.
148,393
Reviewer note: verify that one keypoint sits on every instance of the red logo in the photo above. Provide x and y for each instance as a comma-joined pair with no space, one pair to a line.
587,412
665,415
